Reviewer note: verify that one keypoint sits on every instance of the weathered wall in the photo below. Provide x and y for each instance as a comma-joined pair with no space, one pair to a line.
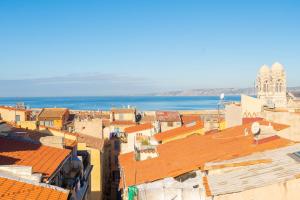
124,117
289,118
251,107
233,115
280,191
9,115
129,146
165,127
92,127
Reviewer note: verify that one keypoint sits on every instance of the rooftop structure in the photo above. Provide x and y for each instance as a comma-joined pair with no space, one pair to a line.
180,132
16,189
52,113
191,153
139,127
257,170
168,116
43,159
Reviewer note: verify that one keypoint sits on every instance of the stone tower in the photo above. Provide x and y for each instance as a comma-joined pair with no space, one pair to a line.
271,85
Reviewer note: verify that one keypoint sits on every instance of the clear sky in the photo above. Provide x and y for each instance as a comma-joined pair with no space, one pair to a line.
108,47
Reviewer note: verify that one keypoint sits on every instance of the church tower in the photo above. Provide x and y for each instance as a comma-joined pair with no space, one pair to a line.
271,85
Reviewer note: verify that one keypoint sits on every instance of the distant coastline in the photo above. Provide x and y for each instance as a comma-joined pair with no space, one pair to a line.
215,92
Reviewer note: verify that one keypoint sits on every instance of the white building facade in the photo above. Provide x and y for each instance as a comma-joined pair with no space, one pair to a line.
271,86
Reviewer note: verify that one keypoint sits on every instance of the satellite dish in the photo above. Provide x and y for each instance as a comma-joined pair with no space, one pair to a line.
255,128
222,96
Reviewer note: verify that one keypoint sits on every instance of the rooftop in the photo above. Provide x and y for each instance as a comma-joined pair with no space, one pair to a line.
191,153
16,190
123,110
42,159
125,123
254,173
52,113
187,128
139,127
14,109
168,116
190,118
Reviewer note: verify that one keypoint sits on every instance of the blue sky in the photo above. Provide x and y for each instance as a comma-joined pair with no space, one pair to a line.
107,47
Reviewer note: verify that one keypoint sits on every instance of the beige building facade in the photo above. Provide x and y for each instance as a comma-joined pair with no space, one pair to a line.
271,86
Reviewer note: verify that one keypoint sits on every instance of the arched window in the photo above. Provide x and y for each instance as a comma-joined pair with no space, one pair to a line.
279,86
266,86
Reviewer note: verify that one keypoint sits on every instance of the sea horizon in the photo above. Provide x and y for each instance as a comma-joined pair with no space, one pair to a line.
107,102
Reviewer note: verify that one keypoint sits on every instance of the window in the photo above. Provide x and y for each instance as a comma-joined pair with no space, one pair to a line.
170,124
266,86
279,86
18,118
121,116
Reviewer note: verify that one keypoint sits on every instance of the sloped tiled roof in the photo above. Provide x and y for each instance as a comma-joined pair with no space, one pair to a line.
123,122
42,159
16,190
168,116
263,122
52,113
179,131
139,127
190,118
123,110
91,141
191,153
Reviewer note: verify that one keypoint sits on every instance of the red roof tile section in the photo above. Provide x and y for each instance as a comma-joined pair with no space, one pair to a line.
15,190
194,126
14,109
52,113
190,118
263,122
123,110
42,159
139,127
191,153
168,116
125,123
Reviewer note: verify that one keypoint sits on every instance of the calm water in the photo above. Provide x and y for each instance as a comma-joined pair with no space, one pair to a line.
105,103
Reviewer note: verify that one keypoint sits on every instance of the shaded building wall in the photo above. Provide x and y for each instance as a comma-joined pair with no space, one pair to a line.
96,174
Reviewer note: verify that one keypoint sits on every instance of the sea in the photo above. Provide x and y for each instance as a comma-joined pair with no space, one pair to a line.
107,102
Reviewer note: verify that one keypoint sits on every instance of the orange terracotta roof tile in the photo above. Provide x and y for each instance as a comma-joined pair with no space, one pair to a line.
139,127
206,186
52,113
179,131
191,153
42,159
264,122
91,141
16,190
123,110
13,108
190,118
247,120
168,116
123,123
